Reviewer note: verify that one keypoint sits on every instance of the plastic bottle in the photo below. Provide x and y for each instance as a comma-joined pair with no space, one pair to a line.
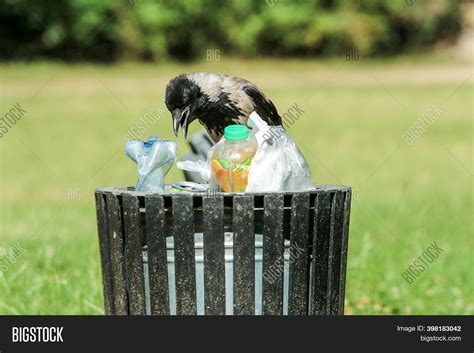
231,159
154,158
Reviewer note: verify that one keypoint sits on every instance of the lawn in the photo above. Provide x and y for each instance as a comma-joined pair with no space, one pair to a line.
406,197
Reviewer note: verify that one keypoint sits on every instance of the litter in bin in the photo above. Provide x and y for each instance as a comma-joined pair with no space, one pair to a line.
231,159
277,164
154,158
188,186
201,167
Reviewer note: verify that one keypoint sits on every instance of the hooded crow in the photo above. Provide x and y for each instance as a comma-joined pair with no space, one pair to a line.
216,101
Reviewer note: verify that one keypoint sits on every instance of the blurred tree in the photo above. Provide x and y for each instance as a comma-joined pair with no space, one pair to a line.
110,30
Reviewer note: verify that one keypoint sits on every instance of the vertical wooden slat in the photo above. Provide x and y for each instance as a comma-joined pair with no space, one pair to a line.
117,255
322,228
184,253
214,260
298,282
345,239
133,255
104,249
244,256
157,260
335,243
273,251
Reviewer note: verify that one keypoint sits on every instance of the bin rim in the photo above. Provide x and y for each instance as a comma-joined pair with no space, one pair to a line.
318,188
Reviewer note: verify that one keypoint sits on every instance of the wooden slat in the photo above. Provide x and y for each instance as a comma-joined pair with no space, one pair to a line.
345,239
214,260
244,256
298,282
335,251
184,253
273,251
104,249
133,255
119,284
157,260
322,225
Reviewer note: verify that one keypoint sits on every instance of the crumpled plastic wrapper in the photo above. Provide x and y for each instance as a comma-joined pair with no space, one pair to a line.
154,158
277,166
201,167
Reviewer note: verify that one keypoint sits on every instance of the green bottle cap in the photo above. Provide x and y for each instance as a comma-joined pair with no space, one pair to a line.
236,132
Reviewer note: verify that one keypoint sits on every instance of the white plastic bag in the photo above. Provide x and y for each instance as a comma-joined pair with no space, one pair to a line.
278,164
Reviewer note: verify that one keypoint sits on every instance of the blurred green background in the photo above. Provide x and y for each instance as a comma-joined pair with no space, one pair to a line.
365,73
110,30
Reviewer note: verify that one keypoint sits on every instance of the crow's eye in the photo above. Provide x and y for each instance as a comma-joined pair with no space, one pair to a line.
185,96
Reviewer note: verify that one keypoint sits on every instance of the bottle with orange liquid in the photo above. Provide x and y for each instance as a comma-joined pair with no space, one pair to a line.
231,159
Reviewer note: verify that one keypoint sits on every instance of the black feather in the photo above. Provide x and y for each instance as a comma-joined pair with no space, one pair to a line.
216,115
263,106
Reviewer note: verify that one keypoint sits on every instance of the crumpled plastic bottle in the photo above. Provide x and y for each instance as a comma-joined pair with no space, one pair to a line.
154,158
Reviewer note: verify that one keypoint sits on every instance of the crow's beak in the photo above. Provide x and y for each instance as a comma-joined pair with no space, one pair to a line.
181,117
176,123
185,123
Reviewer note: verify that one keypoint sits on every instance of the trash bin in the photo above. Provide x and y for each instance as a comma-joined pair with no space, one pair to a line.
223,253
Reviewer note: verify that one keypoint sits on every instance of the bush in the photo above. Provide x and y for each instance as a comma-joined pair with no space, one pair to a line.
108,30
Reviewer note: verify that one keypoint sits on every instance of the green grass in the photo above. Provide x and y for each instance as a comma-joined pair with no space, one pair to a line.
405,197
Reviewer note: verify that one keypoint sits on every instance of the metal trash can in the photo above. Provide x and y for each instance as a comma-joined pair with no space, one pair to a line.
224,253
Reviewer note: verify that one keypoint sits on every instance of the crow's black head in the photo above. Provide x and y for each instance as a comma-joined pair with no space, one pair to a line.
182,100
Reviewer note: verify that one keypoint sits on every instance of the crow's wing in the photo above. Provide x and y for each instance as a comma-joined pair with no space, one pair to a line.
263,106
